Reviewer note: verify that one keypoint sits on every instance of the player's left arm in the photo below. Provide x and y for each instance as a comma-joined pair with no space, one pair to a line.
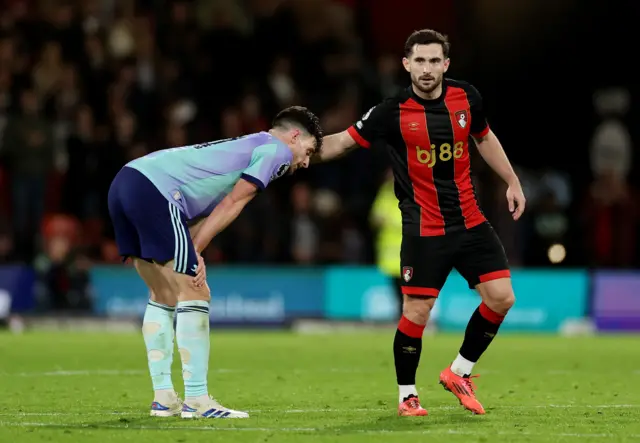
493,153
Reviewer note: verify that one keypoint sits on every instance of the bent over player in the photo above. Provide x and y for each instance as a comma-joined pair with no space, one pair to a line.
426,128
153,199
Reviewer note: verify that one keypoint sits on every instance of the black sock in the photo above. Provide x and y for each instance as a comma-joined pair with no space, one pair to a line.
407,346
482,328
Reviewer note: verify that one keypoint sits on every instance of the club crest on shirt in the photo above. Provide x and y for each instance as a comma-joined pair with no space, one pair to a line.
282,170
177,195
407,273
462,117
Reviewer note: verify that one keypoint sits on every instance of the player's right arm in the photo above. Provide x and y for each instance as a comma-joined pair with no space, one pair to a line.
268,162
224,213
335,146
371,127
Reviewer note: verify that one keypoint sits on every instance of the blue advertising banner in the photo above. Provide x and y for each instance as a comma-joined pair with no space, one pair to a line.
240,296
360,293
616,300
17,288
274,296
545,299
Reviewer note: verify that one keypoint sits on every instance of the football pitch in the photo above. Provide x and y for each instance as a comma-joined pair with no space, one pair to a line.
338,387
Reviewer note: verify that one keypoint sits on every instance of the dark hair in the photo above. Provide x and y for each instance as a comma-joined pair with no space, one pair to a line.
427,37
301,117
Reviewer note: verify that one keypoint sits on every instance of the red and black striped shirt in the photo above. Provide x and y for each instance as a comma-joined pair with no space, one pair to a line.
428,143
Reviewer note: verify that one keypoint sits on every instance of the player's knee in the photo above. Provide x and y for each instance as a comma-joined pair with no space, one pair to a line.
188,292
501,301
191,294
165,296
417,309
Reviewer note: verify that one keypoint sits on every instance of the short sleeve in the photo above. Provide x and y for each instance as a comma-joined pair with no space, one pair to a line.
479,124
373,125
268,162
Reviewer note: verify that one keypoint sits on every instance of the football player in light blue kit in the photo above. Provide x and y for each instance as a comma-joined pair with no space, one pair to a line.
166,207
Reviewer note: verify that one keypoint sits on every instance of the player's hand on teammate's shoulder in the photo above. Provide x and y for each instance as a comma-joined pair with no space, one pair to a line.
201,273
516,199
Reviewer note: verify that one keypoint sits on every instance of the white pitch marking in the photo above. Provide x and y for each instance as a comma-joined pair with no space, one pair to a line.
82,372
302,430
318,411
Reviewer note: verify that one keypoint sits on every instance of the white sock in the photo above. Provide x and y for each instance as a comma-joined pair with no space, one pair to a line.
165,395
192,334
461,366
157,330
407,390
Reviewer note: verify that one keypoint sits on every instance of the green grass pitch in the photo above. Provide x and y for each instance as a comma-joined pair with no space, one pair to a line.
89,387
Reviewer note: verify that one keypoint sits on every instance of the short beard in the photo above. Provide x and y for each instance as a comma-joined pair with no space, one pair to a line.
427,90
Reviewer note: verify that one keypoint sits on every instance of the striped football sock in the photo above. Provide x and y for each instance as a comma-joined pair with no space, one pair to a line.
157,330
192,332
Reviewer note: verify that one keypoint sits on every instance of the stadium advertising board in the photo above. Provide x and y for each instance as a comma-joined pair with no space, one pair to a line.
360,293
240,296
616,301
545,300
17,284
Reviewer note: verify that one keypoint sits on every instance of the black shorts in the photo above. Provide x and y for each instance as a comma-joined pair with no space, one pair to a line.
426,262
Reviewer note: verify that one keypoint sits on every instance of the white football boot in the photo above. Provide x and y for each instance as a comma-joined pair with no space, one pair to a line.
209,408
166,404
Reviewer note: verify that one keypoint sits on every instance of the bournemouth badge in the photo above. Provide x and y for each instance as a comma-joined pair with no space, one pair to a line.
462,118
407,273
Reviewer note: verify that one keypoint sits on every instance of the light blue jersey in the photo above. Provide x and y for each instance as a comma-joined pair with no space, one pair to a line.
196,178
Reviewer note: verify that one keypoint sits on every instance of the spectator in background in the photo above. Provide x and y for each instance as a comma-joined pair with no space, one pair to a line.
66,98
304,239
82,189
94,71
281,87
6,98
231,123
386,221
48,71
611,219
611,148
389,80
611,214
251,114
62,279
29,146
6,242
332,219
115,80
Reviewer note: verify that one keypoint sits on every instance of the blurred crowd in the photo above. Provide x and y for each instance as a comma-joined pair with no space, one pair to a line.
86,86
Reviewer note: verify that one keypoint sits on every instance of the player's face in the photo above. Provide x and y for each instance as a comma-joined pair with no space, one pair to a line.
303,147
427,66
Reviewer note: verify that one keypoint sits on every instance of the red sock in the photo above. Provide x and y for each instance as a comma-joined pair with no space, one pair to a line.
490,315
409,328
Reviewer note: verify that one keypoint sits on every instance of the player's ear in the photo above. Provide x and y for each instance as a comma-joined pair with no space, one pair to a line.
295,134
447,62
406,63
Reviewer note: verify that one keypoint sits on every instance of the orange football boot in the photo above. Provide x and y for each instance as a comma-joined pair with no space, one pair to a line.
463,388
411,408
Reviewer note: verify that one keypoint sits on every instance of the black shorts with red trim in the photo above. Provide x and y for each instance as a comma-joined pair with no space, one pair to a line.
476,253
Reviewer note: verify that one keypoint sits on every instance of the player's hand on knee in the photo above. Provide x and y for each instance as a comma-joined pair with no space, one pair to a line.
200,278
